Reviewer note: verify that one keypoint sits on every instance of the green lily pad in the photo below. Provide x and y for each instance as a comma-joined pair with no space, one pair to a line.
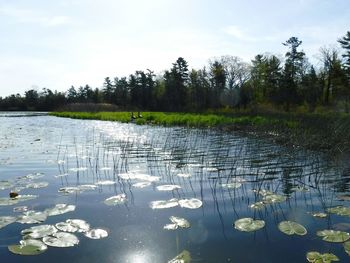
96,233
32,217
177,222
334,236
59,209
183,257
168,187
82,225
38,231
192,203
273,198
347,247
292,228
161,204
248,224
257,205
6,220
61,239
116,200
30,249
316,257
339,210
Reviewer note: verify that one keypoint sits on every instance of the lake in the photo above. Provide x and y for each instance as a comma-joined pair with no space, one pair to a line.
204,181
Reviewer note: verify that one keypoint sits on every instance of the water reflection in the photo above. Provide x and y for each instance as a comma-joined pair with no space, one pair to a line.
227,172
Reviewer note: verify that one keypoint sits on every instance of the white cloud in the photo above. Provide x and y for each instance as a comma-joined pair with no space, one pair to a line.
238,33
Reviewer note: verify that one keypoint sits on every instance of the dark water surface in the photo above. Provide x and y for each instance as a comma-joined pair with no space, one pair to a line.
102,151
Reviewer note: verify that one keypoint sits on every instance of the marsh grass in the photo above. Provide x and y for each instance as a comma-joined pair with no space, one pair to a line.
321,131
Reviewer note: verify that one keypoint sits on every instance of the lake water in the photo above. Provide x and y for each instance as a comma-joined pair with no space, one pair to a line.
226,172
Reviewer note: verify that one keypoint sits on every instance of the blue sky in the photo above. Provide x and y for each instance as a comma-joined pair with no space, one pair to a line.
56,44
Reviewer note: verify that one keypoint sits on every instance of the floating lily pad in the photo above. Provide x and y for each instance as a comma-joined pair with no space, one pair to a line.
32,217
347,247
116,200
66,227
181,222
34,176
292,228
273,198
263,192
168,187
319,214
30,249
192,203
257,205
6,220
82,225
87,187
139,176
33,242
59,209
183,257
334,236
249,224
79,169
161,204
61,175
38,185
316,257
69,190
106,182
38,231
7,201
96,233
61,239
171,226
141,184
339,210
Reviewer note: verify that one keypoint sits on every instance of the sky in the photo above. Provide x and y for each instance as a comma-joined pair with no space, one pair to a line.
57,44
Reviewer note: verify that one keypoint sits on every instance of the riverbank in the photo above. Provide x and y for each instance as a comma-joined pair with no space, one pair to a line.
325,132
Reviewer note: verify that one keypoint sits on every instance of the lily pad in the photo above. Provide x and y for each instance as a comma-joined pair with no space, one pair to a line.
34,176
6,220
334,236
69,190
347,247
168,187
249,224
319,214
161,204
181,222
61,239
316,257
66,227
38,231
106,182
138,176
339,210
292,228
82,225
273,198
192,203
38,185
7,201
96,233
116,200
59,209
20,209
87,187
171,226
30,249
232,185
183,257
141,184
32,217
257,205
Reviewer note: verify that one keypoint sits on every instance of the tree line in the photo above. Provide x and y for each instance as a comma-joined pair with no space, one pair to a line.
226,81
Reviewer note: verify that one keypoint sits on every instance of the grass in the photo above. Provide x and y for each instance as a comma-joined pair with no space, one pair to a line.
321,131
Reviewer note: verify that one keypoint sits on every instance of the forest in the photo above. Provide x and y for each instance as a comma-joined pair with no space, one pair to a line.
283,83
